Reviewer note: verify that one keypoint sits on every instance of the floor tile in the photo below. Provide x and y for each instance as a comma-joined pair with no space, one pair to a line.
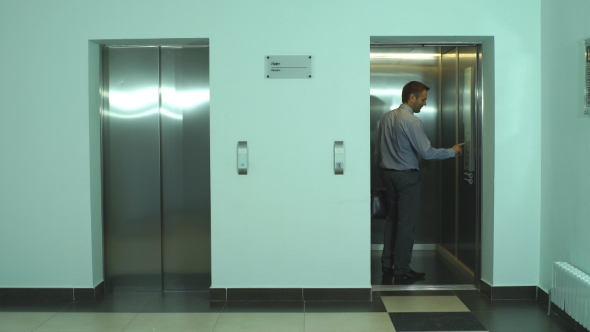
192,311
82,322
436,321
32,306
418,293
469,293
423,304
361,321
346,306
181,302
260,322
523,321
264,306
484,304
131,302
173,322
23,321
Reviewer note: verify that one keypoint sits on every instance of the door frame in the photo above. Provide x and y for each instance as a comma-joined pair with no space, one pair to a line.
483,122
96,108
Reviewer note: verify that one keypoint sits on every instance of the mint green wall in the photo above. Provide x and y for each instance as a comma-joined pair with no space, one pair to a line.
290,222
566,138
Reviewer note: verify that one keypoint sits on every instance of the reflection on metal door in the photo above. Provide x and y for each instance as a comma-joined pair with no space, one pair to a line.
466,248
155,155
460,199
448,133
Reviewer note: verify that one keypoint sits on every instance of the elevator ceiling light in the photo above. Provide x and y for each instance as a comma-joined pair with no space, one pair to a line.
404,56
386,92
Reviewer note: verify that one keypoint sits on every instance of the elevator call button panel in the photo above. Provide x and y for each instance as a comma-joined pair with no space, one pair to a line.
339,157
242,157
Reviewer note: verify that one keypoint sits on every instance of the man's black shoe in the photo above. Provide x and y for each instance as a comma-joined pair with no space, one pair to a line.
387,270
410,275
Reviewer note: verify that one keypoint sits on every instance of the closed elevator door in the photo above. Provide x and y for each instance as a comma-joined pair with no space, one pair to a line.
155,155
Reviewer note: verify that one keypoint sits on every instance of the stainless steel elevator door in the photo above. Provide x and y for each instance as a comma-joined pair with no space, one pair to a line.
186,200
156,186
131,169
448,124
467,185
459,198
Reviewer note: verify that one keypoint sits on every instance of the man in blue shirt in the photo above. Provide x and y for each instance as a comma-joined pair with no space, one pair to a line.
400,141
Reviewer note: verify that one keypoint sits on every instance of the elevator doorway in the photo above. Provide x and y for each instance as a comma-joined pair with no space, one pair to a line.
155,167
447,242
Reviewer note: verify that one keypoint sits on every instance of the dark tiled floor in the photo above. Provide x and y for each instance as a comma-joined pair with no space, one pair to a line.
436,321
438,271
512,315
466,310
496,316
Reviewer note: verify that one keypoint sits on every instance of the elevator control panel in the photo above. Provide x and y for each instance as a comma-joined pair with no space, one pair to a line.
338,157
587,77
242,157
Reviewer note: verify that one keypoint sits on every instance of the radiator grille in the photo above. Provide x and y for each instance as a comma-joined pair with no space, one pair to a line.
571,292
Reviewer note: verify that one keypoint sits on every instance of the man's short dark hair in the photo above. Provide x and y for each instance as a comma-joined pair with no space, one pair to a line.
413,88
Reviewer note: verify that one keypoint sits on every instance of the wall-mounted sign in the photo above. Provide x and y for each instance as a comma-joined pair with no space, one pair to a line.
287,66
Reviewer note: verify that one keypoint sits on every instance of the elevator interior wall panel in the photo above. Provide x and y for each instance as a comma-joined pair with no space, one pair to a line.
131,169
448,120
186,239
466,249
391,69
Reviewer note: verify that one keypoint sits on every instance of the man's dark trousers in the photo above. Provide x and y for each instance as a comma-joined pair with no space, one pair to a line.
403,201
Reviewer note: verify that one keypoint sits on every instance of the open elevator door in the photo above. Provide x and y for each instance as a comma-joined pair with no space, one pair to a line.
461,187
450,189
155,163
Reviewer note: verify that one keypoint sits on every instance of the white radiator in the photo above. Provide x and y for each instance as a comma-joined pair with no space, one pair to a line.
571,292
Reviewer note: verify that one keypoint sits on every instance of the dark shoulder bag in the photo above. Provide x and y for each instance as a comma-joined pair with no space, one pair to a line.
378,203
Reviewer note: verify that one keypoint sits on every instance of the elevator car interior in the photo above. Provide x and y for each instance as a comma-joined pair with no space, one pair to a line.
447,240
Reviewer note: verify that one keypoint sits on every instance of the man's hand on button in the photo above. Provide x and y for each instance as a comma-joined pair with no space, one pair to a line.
458,148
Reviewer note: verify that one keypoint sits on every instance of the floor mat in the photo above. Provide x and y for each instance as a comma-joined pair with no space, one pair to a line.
435,321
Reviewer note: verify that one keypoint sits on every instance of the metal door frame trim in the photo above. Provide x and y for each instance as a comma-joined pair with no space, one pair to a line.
478,121
103,45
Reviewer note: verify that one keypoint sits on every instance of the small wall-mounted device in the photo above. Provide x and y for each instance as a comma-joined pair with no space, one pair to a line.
587,77
242,157
338,157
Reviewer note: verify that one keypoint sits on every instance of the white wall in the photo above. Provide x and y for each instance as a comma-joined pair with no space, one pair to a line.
566,138
290,222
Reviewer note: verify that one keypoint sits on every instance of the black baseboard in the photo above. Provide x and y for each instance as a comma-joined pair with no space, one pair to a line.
543,297
508,292
485,288
51,294
290,294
